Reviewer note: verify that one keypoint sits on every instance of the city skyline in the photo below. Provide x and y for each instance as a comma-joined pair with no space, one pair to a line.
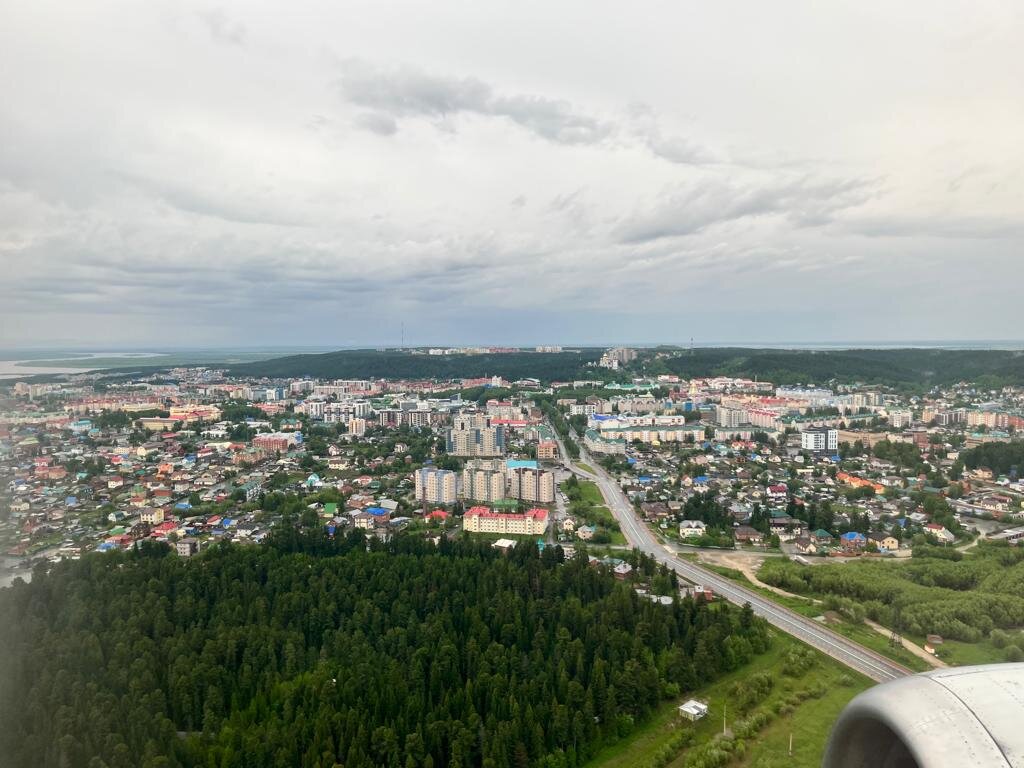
192,174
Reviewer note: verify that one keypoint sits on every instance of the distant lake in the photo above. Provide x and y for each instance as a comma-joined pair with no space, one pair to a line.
12,369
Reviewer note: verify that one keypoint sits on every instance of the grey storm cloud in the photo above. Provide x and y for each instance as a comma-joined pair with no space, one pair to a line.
403,92
390,94
692,208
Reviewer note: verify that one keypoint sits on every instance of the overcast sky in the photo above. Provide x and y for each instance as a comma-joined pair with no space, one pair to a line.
176,173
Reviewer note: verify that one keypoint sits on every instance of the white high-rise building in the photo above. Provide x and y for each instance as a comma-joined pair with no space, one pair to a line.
474,435
820,439
730,417
483,484
900,418
533,485
435,486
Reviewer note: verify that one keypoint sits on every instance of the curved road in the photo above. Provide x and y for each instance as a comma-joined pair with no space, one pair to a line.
853,655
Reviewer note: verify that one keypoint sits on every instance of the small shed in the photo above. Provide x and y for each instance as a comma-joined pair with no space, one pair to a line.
693,710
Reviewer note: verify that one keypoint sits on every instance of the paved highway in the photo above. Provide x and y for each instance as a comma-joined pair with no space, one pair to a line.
853,655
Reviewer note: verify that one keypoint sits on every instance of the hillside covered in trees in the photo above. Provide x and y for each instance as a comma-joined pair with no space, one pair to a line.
366,363
916,366
314,653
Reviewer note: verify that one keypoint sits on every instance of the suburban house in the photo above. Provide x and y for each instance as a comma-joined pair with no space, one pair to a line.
822,538
940,532
853,541
744,534
885,542
787,528
805,546
691,529
186,547
622,570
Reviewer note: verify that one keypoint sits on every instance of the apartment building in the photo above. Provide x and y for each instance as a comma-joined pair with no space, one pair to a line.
483,484
436,486
547,450
730,417
533,485
533,522
900,418
812,395
820,439
275,441
475,435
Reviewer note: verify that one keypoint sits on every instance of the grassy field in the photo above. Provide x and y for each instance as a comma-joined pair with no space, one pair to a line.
809,725
585,467
960,654
590,492
879,643
810,721
598,513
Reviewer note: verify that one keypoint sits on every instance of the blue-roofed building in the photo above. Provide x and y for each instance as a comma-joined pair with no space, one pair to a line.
853,540
521,464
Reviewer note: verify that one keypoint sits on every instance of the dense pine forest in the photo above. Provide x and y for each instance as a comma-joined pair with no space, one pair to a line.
364,363
913,367
322,654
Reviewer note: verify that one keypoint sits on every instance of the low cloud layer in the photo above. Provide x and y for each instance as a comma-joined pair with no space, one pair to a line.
185,173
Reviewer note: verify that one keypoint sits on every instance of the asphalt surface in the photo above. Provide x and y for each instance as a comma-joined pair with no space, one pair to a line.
867,662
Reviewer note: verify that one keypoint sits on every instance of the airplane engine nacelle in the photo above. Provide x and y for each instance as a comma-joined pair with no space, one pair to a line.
961,717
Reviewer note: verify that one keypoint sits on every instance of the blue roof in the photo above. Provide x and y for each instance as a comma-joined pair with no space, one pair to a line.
521,463
377,510
852,536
